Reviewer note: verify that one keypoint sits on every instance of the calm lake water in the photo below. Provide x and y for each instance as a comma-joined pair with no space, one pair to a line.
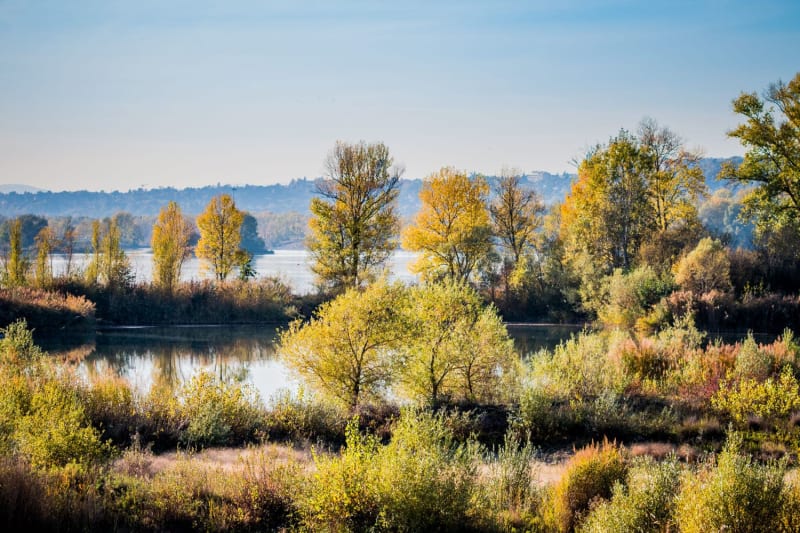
291,265
146,355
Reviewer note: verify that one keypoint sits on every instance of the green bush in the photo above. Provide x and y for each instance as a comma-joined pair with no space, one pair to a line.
423,480
426,479
219,411
56,431
343,493
508,485
645,504
301,418
736,495
590,475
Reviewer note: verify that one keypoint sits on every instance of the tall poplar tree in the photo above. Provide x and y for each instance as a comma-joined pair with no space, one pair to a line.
219,227
170,245
354,224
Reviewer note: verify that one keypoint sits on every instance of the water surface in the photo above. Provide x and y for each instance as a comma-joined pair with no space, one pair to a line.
173,354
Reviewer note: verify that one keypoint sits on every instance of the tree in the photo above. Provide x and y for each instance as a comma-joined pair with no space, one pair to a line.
170,244
452,230
704,269
250,240
219,240
771,135
354,223
115,267
93,267
44,245
456,348
16,264
675,182
607,213
516,216
346,351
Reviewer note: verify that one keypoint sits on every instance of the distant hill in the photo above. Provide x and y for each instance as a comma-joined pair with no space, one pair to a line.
281,198
18,188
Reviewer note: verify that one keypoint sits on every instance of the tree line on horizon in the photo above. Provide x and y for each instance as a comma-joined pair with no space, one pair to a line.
635,210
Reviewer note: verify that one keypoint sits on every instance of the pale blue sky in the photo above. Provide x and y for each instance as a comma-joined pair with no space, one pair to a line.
117,95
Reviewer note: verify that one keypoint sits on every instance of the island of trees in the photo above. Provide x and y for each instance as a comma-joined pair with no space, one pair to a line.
418,414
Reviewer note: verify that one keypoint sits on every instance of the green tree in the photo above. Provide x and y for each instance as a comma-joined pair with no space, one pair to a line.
452,230
220,235
250,240
771,135
16,264
456,348
354,223
608,213
347,350
93,266
44,245
115,267
170,244
675,182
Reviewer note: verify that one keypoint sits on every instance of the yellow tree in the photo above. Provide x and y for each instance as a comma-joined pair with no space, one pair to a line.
354,224
452,230
170,245
347,350
219,227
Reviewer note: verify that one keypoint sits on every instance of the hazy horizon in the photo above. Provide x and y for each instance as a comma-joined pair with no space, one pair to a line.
119,96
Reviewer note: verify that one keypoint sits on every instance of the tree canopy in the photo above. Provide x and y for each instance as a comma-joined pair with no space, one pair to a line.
771,135
220,234
452,230
170,245
354,222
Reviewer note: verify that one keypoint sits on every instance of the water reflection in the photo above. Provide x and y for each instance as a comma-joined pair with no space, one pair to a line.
147,356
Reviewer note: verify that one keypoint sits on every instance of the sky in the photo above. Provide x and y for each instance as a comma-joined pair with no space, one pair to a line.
118,95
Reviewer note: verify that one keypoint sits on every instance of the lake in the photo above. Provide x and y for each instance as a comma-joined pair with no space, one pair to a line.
173,354
291,265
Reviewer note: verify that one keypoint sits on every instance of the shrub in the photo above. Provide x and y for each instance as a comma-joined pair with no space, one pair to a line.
55,431
219,411
426,480
590,475
581,367
736,495
631,295
342,493
772,400
704,269
301,418
110,406
508,486
645,504
422,480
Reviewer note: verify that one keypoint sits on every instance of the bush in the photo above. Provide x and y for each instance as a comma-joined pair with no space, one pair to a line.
55,431
219,412
772,401
508,486
645,504
426,480
736,495
343,494
590,475
422,481
300,418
